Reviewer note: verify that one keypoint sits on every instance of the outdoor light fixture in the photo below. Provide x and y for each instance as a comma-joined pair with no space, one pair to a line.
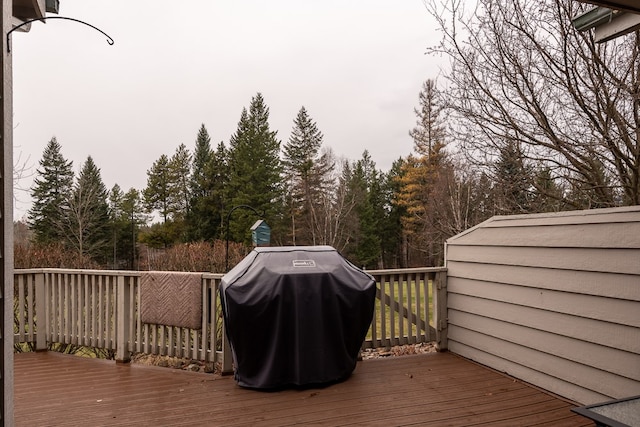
52,6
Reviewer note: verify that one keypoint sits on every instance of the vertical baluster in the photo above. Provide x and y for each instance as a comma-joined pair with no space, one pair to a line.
202,355
213,324
419,337
101,310
59,308
86,310
21,308
374,321
411,317
383,311
427,289
108,336
135,334
48,300
42,313
392,310
171,344
401,309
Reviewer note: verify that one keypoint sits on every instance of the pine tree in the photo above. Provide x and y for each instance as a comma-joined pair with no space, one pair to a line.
364,212
180,183
52,187
513,181
131,220
429,129
115,214
86,222
126,217
216,199
391,230
198,215
307,173
157,193
254,171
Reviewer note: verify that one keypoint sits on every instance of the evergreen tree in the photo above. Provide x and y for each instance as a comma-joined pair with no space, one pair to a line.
52,187
365,212
131,220
429,129
391,230
86,221
307,173
254,171
180,183
371,213
159,196
199,212
513,181
217,171
126,216
548,194
115,214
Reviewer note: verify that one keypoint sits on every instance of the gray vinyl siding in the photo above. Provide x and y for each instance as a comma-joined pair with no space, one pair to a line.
552,299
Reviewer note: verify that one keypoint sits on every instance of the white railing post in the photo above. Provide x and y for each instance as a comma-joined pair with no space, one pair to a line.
41,313
123,355
227,359
440,310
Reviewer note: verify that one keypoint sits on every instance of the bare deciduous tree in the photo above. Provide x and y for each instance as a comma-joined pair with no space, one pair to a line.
521,74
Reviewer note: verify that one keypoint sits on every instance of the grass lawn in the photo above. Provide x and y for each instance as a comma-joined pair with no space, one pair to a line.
408,301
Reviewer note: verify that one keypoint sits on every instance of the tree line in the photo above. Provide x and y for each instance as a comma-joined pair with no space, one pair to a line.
532,117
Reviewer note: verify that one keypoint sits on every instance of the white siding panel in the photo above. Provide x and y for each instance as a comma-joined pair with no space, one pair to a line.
624,261
584,376
611,310
608,285
615,361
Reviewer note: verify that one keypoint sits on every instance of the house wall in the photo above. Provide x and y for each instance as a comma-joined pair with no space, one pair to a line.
552,299
6,221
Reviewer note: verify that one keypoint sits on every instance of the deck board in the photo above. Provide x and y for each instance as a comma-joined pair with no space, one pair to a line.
432,389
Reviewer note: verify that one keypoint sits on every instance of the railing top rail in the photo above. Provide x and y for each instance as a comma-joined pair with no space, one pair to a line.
212,275
407,270
205,275
76,271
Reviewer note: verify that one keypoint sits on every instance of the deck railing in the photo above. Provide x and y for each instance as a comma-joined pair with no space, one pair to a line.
97,308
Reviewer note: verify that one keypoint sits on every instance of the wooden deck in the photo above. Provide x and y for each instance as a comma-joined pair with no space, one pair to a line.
433,389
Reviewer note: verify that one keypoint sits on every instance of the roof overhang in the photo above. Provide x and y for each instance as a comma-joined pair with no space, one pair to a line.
610,19
25,10
632,6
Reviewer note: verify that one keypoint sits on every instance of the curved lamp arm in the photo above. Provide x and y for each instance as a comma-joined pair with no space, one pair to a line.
109,39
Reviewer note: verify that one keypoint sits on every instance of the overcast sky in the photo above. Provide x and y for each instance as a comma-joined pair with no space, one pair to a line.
357,66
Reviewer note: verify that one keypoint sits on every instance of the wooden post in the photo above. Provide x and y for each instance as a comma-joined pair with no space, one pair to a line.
41,313
440,310
123,355
6,222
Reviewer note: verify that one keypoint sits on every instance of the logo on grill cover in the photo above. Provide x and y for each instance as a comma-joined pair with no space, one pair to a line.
304,263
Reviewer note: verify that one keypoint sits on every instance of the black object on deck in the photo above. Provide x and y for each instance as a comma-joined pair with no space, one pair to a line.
295,316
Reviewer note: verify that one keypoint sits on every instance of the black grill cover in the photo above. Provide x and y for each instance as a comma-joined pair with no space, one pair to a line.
295,316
